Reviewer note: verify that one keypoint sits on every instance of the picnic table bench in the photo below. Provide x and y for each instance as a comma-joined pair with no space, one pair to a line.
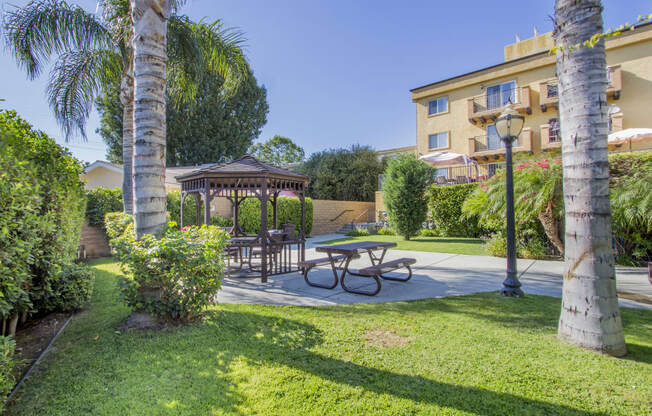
340,255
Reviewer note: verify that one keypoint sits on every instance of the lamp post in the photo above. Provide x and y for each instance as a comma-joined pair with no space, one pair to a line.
508,126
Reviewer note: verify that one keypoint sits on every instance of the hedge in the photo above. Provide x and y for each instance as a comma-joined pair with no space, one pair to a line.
101,201
445,203
289,211
41,213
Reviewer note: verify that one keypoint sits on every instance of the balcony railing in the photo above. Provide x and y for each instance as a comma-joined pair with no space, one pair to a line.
486,107
549,97
486,147
460,174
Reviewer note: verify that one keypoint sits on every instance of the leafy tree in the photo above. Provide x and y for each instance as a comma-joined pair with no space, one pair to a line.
405,185
589,314
279,151
343,174
210,129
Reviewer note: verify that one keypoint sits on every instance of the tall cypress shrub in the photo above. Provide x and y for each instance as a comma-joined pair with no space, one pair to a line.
406,182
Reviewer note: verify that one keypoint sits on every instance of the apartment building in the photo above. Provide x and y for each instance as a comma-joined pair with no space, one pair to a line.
458,114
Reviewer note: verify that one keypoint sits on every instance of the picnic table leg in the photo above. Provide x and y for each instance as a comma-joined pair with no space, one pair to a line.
333,268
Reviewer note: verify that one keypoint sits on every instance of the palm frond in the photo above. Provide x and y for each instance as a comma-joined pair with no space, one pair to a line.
45,28
196,49
75,80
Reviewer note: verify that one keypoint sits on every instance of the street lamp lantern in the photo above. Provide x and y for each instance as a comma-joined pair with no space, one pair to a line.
508,126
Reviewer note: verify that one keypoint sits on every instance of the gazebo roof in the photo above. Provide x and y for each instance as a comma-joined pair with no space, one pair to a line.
247,166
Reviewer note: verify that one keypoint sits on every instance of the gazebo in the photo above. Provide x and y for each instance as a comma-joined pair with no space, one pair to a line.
244,178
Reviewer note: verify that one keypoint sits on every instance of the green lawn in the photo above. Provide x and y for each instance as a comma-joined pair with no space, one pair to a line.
453,245
469,355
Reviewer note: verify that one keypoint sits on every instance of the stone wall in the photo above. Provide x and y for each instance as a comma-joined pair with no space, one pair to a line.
95,242
329,216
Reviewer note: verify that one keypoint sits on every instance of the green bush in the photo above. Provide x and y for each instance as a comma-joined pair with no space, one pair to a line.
72,288
7,364
101,201
174,208
358,232
175,276
406,181
427,232
529,245
289,212
445,203
221,221
385,231
33,250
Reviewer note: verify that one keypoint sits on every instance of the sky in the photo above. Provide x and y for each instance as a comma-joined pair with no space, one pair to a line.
337,72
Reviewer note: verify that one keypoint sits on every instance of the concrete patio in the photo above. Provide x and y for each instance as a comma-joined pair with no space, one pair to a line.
435,275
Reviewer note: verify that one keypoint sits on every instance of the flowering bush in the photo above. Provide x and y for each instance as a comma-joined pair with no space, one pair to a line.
175,276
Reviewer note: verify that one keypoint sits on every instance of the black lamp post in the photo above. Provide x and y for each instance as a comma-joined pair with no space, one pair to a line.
508,127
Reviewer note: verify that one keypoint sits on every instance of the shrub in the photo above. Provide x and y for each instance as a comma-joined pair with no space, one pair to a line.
7,364
289,211
175,276
174,208
427,232
221,221
101,201
358,232
529,245
72,288
445,203
385,231
406,181
36,249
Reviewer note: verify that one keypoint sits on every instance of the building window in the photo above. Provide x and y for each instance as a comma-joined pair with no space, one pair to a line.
441,172
438,140
501,94
493,139
438,106
554,131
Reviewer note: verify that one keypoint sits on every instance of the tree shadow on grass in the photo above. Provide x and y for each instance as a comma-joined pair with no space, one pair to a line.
280,341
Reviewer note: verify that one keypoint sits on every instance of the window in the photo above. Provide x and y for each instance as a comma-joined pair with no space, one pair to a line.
441,172
493,139
501,94
554,131
440,105
438,140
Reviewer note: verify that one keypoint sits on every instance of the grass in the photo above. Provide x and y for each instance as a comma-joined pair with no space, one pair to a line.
453,245
467,355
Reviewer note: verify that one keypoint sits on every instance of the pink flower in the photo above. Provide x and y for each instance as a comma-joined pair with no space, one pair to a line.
543,165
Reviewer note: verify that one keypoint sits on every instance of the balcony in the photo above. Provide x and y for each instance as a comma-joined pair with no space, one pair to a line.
550,139
485,107
548,95
490,148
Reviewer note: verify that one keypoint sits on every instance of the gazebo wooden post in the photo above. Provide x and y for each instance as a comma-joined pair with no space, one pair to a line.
236,210
207,201
198,208
274,207
183,198
263,229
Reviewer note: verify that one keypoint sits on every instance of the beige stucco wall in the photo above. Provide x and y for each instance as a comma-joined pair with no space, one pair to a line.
327,218
632,52
102,178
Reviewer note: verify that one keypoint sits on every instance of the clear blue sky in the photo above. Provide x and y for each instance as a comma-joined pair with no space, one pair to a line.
338,72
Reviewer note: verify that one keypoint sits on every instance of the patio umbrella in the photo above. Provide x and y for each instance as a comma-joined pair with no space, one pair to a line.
445,158
629,136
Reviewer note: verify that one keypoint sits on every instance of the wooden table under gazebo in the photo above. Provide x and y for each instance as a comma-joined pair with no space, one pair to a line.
244,178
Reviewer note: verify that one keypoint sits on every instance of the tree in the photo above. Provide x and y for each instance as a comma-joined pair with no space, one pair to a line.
343,174
589,314
279,151
405,185
95,54
212,128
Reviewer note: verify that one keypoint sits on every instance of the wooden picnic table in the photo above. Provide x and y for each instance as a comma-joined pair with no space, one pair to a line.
340,256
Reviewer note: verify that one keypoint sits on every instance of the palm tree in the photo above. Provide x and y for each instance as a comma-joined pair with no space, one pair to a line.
94,52
589,315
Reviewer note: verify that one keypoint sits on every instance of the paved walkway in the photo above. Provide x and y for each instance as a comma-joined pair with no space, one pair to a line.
435,275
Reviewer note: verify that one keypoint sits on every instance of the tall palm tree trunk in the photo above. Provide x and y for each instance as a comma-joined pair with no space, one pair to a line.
589,315
150,37
127,100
